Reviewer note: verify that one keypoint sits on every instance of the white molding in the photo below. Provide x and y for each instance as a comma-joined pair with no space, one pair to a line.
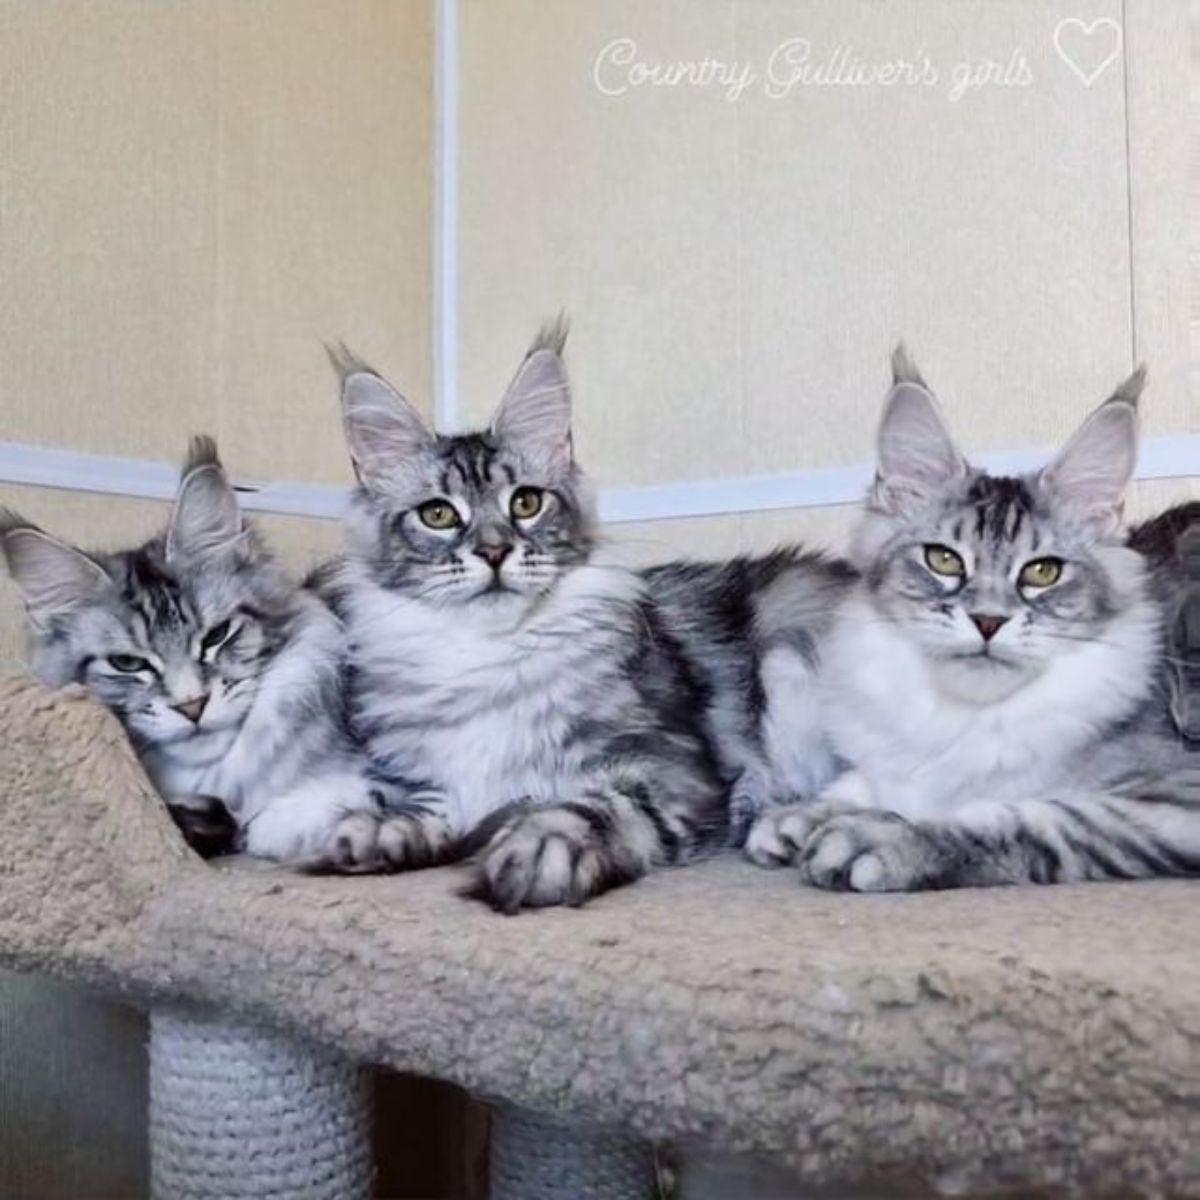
1171,456
445,254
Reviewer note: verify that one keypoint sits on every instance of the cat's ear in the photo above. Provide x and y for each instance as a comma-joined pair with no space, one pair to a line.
206,516
383,431
53,576
916,456
1091,472
534,418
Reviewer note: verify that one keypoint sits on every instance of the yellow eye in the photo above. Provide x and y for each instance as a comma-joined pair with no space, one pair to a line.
526,502
439,514
941,560
1041,572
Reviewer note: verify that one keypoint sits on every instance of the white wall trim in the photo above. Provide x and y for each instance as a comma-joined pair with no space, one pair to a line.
1171,456
445,252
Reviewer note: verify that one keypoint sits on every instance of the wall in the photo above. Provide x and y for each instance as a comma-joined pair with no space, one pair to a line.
164,170
193,197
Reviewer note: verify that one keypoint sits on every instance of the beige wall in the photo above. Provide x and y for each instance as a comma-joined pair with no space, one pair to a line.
737,272
193,196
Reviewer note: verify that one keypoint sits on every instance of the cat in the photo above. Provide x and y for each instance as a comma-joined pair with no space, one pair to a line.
225,675
571,723
533,703
994,678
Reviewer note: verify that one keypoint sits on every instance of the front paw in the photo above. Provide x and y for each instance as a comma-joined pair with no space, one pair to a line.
365,842
778,836
866,852
545,857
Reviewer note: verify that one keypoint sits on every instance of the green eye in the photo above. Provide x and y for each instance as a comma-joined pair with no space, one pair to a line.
129,664
526,502
439,514
941,560
1041,572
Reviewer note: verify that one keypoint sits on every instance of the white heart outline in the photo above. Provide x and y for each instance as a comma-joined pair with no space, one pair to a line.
1087,78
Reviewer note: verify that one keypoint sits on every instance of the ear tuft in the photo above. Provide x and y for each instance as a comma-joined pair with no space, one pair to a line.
904,370
552,335
344,361
1131,389
206,516
202,452
534,418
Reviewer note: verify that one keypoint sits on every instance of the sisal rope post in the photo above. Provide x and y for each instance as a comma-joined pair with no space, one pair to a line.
239,1112
536,1156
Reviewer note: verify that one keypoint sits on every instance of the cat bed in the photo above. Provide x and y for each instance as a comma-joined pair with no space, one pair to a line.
963,1041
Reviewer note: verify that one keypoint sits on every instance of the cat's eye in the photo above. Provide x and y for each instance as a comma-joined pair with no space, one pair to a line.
439,514
128,664
941,560
526,502
215,637
1041,572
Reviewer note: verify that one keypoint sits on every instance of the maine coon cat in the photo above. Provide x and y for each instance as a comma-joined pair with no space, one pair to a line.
997,679
533,705
224,674
572,723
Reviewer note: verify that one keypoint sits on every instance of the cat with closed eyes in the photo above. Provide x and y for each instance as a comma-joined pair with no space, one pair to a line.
225,675
999,678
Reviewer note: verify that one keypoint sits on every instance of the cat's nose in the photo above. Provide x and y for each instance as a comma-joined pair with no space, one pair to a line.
192,709
988,625
493,554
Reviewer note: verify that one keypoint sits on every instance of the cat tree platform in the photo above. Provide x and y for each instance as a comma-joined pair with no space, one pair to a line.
966,1042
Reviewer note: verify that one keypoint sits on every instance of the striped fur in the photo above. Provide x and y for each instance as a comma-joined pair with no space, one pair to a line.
224,673
1000,730
533,706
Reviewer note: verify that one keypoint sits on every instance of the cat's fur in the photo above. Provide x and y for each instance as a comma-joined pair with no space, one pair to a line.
534,705
997,733
251,717
754,629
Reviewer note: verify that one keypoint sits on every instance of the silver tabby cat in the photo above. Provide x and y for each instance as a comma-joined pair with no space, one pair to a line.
572,724
224,673
997,678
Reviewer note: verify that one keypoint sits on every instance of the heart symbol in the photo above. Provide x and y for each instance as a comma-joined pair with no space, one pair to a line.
1076,43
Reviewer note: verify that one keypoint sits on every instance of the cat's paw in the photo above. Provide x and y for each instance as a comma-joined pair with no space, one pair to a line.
778,836
544,857
865,852
364,842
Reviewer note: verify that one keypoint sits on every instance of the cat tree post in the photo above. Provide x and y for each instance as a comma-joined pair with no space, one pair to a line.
239,1112
536,1156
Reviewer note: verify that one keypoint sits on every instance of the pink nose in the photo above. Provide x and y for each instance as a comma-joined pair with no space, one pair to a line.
987,625
493,555
192,709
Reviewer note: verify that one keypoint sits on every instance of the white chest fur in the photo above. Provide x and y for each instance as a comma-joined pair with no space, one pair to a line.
481,702
923,752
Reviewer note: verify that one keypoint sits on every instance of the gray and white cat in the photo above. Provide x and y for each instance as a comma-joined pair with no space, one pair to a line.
996,677
223,672
533,704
